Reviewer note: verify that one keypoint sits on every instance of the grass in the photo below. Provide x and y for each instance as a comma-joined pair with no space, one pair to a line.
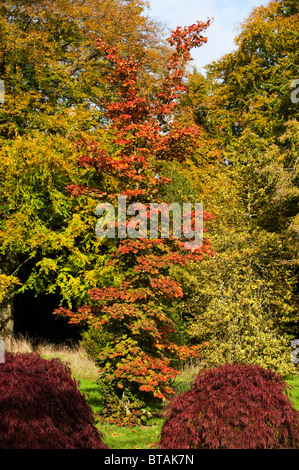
294,382
141,437
84,370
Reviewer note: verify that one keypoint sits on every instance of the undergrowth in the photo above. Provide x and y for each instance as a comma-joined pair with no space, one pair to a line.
85,371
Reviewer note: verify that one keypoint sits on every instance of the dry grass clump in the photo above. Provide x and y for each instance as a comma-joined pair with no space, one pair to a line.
188,372
81,365
18,343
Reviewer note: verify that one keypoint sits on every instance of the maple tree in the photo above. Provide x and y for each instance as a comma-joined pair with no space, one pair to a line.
134,309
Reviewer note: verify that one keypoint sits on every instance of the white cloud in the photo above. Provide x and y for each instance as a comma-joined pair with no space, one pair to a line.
227,14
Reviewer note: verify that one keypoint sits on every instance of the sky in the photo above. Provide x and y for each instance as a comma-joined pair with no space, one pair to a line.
227,14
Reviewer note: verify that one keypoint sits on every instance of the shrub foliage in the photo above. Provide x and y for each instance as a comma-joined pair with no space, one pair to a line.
41,406
232,407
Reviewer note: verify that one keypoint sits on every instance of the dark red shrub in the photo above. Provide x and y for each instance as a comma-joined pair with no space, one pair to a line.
232,407
41,406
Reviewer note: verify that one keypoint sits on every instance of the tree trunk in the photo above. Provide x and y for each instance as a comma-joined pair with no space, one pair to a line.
6,316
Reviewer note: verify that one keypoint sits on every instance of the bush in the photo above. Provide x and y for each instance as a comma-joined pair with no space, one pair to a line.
232,407
94,341
41,406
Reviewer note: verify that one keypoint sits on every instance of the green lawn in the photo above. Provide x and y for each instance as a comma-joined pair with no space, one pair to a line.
141,437
294,382
91,391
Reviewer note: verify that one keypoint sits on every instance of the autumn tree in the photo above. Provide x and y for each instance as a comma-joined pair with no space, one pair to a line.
134,310
242,300
54,79
259,122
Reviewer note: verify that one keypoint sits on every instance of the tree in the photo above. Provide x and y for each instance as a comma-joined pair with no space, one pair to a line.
253,88
242,300
54,80
250,286
134,309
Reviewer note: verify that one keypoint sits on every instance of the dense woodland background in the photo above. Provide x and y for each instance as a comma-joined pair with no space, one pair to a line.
230,142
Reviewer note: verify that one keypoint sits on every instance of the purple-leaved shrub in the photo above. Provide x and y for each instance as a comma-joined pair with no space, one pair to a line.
232,407
41,406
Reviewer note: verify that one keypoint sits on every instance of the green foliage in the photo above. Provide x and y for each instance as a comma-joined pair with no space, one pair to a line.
254,82
94,340
243,301
238,320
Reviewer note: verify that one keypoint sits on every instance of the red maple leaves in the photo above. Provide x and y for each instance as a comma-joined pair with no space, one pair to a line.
132,311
